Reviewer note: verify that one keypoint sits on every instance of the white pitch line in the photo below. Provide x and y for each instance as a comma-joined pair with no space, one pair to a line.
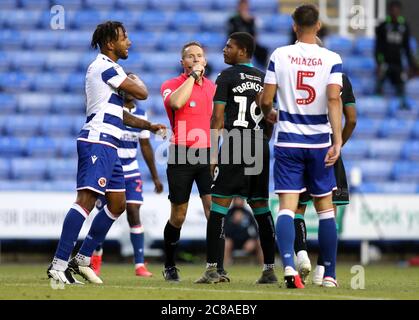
216,291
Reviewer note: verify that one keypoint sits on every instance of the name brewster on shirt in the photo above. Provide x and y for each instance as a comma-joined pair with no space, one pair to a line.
210,309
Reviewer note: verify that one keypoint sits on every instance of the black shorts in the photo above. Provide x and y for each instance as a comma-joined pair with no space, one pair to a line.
341,194
180,175
234,180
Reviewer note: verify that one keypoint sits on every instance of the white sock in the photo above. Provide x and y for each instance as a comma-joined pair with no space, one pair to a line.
98,252
59,265
137,265
82,260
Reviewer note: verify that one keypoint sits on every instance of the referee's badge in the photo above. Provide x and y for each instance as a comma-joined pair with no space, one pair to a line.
192,104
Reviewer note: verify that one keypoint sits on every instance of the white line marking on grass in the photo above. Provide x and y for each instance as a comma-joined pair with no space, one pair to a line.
279,293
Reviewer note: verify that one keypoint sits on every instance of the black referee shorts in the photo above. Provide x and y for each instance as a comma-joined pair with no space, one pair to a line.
182,171
341,194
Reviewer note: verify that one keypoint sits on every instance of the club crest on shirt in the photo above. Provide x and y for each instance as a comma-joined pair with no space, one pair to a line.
192,104
102,182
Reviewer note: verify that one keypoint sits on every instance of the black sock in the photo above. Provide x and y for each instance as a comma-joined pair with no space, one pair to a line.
267,236
220,262
215,238
320,260
300,242
171,238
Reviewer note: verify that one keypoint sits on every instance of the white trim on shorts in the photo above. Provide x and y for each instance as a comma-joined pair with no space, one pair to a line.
134,201
98,142
291,191
132,175
90,188
324,194
115,190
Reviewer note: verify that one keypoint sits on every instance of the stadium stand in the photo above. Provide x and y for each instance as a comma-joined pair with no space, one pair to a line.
42,85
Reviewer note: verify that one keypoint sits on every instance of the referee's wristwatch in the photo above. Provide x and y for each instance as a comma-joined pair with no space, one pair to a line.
194,75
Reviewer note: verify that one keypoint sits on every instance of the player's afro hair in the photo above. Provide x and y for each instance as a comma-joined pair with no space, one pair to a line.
105,32
244,40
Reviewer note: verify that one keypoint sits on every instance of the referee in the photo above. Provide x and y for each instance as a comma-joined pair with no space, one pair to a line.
188,103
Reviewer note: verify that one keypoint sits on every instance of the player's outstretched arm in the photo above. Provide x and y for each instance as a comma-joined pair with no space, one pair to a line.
136,122
135,87
148,155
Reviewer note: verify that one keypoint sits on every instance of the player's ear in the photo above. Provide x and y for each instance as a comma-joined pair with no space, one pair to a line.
294,27
319,26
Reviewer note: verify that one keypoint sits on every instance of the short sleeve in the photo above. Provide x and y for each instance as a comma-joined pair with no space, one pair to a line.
221,91
167,89
270,76
348,97
335,76
114,76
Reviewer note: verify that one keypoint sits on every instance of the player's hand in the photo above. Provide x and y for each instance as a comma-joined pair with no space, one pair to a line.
158,186
332,155
199,69
272,117
159,129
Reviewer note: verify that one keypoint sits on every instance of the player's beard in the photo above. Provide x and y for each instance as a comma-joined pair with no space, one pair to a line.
123,54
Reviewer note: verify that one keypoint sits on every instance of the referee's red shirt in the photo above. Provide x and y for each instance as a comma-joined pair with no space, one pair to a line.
195,114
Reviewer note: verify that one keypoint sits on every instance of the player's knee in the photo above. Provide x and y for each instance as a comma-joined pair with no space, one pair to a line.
177,220
117,208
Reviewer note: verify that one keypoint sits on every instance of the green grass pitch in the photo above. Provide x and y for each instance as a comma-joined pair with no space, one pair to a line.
27,281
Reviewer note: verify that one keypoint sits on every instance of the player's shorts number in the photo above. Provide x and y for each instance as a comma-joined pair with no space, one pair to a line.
303,86
139,185
241,121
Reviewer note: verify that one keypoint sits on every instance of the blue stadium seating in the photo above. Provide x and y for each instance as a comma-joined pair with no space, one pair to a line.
26,61
278,23
389,187
412,88
28,169
99,4
260,6
51,82
4,62
8,4
164,5
364,46
14,82
273,40
355,149
406,171
12,147
22,19
385,149
412,112
78,122
186,21
68,104
4,168
44,40
372,106
41,147
67,147
341,45
22,125
162,62
68,4
366,128
8,103
76,40
212,41
143,41
410,150
34,103
62,169
226,5
375,170
174,41
215,21
135,63
154,20
57,126
75,82
131,4
358,66
35,4
59,61
84,20
196,5
396,129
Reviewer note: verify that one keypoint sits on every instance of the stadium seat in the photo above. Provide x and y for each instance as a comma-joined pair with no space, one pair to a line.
397,112
278,23
366,128
35,4
165,5
67,147
262,6
410,150
197,5
68,104
162,62
41,147
51,82
415,130
214,21
273,40
75,82
359,66
128,18
172,42
186,21
63,61
212,41
389,187
76,40
78,122
135,63
22,19
62,169
396,129
406,171
144,41
355,149
154,20
12,147
8,4
4,168
385,149
11,39
364,46
28,169
84,19
375,170
57,126
86,59
68,4
372,106
15,82
226,5
131,5
8,104
217,61
341,45
62,185
26,61
22,125
44,40
34,103
99,4
154,81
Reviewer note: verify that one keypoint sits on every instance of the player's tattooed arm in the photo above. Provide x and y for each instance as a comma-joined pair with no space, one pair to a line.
136,122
